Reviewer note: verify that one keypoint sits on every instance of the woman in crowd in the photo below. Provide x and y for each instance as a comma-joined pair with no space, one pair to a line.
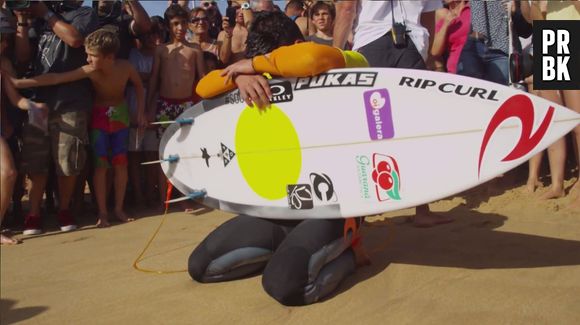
199,25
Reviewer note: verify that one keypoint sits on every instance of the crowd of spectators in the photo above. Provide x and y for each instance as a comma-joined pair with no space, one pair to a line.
55,161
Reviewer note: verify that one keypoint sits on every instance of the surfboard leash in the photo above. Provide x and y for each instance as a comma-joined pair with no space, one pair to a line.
153,236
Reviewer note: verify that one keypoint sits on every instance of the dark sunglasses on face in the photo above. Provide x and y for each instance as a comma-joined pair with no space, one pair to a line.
199,20
207,4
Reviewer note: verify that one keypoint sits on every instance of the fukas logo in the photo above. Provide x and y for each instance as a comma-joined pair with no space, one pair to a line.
337,79
556,54
379,115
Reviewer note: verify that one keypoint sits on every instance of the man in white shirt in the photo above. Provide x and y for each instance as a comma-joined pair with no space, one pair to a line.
373,31
373,37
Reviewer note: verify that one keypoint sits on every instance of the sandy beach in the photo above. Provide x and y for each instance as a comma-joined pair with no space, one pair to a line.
507,258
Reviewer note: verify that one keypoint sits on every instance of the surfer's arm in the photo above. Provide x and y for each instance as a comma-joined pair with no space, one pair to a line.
298,60
50,79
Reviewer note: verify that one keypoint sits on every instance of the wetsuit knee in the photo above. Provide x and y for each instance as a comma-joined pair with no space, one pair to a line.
293,278
240,247
232,265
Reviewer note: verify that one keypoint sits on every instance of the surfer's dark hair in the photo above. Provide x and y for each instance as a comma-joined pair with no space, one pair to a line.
269,31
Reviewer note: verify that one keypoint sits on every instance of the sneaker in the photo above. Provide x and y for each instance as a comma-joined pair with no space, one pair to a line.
67,223
32,225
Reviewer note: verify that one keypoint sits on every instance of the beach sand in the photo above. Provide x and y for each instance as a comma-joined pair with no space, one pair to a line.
507,258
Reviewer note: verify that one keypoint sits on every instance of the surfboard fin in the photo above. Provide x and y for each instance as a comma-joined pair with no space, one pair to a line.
190,196
180,121
171,159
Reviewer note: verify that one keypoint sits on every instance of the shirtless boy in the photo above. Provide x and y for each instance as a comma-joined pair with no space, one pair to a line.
110,115
177,66
239,36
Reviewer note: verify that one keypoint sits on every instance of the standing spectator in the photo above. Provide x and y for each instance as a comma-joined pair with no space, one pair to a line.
141,57
241,12
8,173
485,53
556,10
264,5
322,15
110,115
451,32
7,169
60,49
127,21
177,66
214,18
373,37
297,11
220,48
373,33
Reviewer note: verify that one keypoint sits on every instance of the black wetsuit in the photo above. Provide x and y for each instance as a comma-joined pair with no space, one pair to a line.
303,261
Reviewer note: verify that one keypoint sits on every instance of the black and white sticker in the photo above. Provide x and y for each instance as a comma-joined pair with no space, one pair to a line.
299,196
227,155
323,187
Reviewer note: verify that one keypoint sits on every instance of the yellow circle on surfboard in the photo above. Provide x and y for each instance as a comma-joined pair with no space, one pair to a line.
268,151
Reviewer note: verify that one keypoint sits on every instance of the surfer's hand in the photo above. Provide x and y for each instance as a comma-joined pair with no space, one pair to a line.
241,67
254,89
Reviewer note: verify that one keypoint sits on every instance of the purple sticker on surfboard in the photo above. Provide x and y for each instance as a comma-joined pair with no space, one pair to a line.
379,115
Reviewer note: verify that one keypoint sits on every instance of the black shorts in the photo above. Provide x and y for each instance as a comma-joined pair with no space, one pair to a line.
382,53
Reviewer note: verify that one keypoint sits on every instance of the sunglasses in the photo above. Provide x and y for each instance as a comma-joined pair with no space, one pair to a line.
207,4
199,20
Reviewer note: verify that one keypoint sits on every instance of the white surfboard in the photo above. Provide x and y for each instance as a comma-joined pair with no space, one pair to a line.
356,142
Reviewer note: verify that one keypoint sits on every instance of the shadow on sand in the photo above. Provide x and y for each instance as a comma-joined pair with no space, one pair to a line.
469,242
11,315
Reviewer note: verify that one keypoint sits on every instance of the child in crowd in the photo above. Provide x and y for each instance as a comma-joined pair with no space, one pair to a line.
141,57
110,116
177,66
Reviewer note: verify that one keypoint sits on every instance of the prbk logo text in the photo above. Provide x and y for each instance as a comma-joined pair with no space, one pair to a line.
556,54
379,115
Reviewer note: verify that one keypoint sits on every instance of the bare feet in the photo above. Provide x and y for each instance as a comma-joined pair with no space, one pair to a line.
531,186
122,216
8,240
103,221
429,219
575,204
553,193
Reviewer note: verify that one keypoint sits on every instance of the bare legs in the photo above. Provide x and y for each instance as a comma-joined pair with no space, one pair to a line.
120,185
7,178
556,157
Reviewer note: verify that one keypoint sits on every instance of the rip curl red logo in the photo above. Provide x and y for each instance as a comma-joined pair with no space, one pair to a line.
386,177
522,108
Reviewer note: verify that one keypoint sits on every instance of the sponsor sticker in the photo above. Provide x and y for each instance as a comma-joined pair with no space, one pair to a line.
337,79
323,187
299,196
227,154
522,108
379,114
281,92
384,179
